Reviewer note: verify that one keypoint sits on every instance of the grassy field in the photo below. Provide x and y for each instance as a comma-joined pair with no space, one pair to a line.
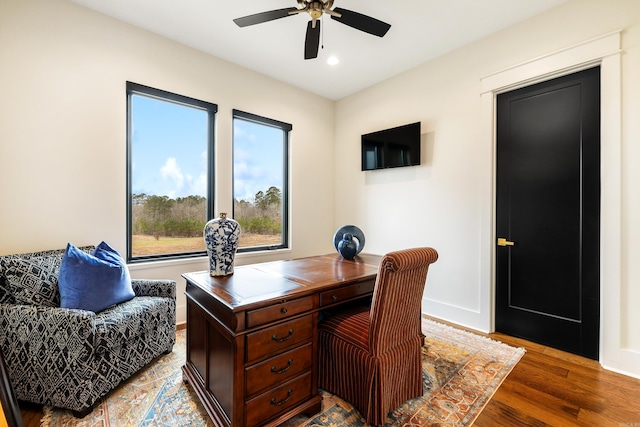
147,245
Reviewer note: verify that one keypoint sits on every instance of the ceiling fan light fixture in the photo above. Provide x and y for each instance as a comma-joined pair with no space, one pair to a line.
315,9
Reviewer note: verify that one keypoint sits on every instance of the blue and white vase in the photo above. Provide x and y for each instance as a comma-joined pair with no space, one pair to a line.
221,236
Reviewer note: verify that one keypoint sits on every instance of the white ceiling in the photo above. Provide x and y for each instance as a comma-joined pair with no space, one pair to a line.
420,30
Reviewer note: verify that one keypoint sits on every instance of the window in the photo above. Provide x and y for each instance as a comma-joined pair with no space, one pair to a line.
260,181
169,173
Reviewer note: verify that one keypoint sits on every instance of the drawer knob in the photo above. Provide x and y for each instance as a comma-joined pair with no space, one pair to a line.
283,370
284,310
273,399
275,337
334,297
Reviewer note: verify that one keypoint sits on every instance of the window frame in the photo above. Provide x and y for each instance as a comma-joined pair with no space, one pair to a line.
165,96
286,131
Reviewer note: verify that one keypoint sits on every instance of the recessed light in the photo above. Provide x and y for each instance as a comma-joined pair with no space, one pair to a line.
333,60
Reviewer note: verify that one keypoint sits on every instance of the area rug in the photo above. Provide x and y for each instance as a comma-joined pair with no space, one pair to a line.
460,370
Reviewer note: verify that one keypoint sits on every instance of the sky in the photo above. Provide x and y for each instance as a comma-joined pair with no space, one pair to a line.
257,158
169,151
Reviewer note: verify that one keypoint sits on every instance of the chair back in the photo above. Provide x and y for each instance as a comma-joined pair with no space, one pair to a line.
397,298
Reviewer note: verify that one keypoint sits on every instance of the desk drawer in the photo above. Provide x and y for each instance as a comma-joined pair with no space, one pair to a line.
278,338
278,311
337,295
277,369
278,400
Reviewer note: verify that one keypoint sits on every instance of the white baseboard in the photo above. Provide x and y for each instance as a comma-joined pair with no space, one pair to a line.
471,319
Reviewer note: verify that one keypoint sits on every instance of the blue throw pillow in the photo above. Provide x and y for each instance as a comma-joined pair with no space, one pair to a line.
93,282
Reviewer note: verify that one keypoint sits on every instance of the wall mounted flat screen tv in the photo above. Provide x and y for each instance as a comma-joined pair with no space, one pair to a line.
391,148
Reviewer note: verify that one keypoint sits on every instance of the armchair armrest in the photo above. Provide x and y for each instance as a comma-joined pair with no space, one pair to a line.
33,327
49,353
154,288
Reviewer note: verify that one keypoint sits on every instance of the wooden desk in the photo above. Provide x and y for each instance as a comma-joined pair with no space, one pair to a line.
252,337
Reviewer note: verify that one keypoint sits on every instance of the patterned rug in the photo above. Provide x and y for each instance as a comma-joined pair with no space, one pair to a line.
461,371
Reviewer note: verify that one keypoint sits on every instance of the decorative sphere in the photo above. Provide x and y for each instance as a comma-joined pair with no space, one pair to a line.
357,237
347,247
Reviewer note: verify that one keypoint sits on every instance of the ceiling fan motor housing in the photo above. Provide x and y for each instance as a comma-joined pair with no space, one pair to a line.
315,8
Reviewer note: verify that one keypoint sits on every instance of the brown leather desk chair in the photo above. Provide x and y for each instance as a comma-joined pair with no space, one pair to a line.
372,357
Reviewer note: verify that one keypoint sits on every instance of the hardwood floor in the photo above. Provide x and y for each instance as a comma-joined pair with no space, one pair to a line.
547,387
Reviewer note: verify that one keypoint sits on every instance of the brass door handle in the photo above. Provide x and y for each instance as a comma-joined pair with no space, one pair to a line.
504,242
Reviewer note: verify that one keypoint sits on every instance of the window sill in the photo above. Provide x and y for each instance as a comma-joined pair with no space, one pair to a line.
196,262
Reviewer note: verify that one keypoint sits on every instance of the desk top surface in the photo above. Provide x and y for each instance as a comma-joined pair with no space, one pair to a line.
255,283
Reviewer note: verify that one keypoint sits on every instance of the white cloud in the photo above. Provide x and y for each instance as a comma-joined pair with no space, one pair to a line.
199,186
171,170
239,132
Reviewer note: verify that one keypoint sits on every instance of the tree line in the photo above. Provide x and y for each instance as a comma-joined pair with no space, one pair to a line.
162,216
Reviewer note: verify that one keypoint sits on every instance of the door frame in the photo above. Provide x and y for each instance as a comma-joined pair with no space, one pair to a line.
603,51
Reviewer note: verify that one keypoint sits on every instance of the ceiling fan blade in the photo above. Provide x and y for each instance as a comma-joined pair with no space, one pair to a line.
361,22
261,17
312,40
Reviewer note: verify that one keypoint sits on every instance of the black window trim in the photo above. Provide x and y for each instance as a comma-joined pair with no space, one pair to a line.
139,89
286,128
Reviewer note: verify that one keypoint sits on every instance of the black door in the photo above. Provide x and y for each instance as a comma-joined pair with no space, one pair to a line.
548,213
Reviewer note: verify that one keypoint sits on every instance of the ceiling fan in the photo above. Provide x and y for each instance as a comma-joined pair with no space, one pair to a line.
316,9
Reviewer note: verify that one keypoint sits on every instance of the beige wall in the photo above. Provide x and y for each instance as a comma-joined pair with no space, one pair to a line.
63,70
447,202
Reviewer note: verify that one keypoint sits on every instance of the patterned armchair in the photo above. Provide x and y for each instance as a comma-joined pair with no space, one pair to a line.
371,357
71,358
